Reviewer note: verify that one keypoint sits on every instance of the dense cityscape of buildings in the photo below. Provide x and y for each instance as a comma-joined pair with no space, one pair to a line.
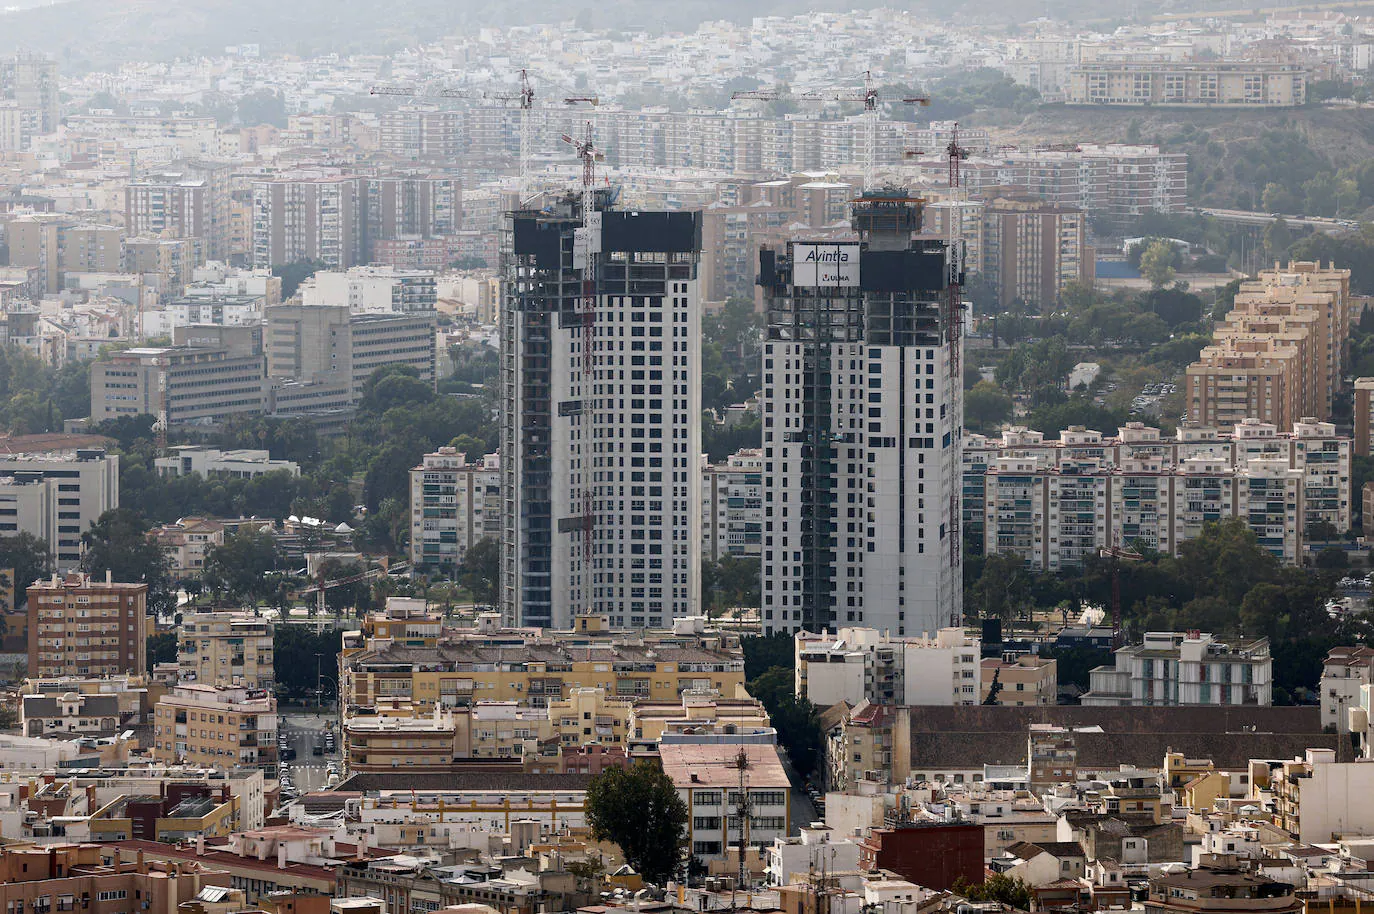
891,757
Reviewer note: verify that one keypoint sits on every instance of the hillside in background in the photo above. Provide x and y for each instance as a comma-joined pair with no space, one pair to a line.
96,33
1232,155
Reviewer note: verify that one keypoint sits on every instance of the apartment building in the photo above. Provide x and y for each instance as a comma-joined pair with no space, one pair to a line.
412,207
421,133
1189,84
572,525
864,512
82,627
1174,668
453,504
308,217
1111,181
531,670
1315,798
1345,672
170,205
1032,248
732,506
225,649
1280,354
184,383
330,347
1056,502
857,664
61,244
57,497
31,82
215,726
1364,416
185,542
92,876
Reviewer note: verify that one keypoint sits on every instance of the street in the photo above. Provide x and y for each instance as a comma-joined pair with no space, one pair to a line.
304,731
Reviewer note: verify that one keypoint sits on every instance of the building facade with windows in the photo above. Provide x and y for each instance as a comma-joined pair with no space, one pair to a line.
215,726
732,506
862,415
81,627
1193,668
601,401
453,504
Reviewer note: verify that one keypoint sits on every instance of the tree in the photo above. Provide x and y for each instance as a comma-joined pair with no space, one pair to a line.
298,654
239,567
1333,558
262,107
118,543
294,273
29,557
481,570
1157,263
986,406
639,809
1009,890
162,648
1277,236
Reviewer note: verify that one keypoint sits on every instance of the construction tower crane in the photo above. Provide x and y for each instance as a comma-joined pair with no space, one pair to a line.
523,98
872,111
590,239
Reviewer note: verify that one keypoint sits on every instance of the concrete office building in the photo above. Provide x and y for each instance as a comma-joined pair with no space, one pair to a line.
335,351
862,414
57,497
600,415
308,217
211,372
79,626
453,504
732,506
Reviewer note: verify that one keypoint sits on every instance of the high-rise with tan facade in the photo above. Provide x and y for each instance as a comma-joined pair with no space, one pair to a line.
1279,354
84,627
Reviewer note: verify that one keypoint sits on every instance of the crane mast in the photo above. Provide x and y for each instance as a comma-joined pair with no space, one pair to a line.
586,241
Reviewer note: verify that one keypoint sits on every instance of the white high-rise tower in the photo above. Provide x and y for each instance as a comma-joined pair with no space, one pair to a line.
862,414
601,414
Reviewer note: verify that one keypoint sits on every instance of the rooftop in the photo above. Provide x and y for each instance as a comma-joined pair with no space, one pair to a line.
694,765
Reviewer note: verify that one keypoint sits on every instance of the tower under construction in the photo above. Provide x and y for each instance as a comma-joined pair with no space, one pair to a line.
862,416
601,406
